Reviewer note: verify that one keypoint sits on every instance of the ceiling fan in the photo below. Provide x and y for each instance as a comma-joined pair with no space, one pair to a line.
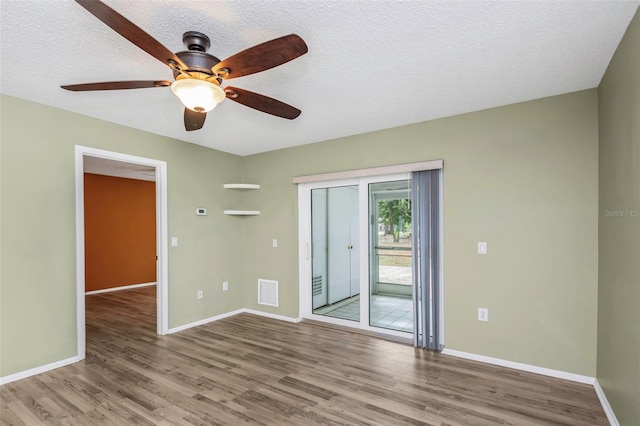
198,75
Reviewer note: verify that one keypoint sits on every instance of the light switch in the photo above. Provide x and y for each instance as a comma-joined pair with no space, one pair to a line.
275,243
174,241
482,248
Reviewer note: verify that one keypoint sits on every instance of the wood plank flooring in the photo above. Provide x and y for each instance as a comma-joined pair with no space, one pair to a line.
254,370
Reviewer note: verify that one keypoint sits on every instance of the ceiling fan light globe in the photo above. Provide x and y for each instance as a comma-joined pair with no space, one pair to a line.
198,95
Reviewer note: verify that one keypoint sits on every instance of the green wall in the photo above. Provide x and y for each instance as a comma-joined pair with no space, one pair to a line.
523,177
619,229
37,267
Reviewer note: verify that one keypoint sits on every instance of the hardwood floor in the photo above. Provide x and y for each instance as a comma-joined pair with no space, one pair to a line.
254,370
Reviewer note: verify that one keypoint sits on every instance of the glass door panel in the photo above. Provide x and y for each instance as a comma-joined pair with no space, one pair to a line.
390,256
334,249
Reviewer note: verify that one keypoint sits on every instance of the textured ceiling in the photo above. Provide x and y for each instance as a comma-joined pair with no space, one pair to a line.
371,64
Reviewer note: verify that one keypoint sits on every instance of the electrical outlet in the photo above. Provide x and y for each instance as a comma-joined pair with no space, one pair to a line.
225,286
483,314
274,243
200,294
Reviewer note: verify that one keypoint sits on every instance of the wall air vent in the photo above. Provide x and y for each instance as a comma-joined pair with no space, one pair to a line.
268,292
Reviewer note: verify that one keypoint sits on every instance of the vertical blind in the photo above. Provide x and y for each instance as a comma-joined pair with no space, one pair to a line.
425,217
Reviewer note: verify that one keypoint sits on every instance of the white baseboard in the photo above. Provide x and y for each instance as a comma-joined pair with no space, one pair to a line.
124,287
204,321
230,314
37,370
546,372
611,416
522,367
274,316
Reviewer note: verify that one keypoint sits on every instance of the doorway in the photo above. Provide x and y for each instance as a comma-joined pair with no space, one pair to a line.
160,169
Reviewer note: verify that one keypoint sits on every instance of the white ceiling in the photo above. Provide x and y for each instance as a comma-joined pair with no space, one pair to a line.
371,64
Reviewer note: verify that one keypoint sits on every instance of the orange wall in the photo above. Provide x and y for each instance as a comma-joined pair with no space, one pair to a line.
120,231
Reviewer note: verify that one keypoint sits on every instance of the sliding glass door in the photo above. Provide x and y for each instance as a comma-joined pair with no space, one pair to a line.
370,251
357,239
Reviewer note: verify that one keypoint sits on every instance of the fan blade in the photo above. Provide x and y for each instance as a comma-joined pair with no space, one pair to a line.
262,103
193,120
116,85
131,32
262,57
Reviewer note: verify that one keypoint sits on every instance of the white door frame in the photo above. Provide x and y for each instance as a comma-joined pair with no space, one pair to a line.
162,265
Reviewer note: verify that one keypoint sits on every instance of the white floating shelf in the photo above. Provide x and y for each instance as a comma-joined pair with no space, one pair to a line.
242,212
241,186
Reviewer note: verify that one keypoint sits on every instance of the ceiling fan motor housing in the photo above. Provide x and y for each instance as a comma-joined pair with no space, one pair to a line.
196,59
